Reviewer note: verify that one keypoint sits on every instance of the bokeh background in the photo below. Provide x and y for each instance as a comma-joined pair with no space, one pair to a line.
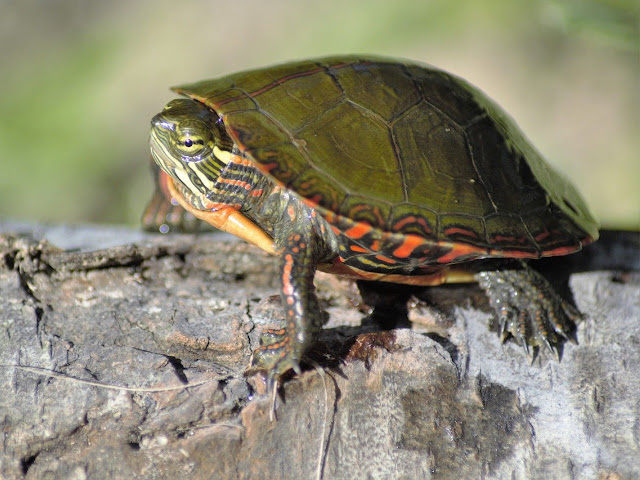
79,81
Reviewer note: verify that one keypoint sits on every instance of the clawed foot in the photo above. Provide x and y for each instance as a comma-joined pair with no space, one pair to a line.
529,310
275,356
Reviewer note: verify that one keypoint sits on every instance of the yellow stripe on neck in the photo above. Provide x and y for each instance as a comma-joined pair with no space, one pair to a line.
222,155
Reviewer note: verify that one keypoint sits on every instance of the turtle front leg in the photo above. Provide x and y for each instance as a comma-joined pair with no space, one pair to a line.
282,349
529,309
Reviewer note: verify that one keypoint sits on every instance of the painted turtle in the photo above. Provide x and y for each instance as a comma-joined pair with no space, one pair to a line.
379,169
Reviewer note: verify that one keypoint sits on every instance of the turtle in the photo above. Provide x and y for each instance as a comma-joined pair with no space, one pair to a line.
378,169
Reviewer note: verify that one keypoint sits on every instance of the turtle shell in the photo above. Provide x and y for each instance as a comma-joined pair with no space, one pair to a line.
402,147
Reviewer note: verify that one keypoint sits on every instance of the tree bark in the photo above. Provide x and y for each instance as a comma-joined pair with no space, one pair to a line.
179,317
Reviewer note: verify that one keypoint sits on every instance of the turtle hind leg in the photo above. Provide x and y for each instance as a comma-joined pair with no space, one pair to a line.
388,301
529,309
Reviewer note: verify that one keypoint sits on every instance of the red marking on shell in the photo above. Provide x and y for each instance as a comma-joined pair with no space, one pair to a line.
257,193
560,251
461,250
408,246
358,248
358,230
458,230
541,236
384,259
375,211
273,84
375,245
400,224
505,238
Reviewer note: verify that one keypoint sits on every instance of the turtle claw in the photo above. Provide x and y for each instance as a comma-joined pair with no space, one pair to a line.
534,355
525,346
274,357
529,310
272,390
547,344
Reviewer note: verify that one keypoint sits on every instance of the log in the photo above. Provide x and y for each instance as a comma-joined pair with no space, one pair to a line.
123,356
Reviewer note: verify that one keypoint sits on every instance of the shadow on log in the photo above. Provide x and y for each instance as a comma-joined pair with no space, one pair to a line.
128,361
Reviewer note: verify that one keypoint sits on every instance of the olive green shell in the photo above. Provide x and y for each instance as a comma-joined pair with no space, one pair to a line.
401,146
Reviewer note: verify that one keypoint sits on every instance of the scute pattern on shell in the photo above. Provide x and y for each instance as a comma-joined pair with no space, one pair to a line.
403,147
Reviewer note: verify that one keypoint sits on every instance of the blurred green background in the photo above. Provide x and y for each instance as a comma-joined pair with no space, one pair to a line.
80,80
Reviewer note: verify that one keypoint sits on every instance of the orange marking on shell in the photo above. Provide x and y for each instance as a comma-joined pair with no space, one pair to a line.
384,259
257,193
375,245
460,250
408,246
358,248
358,230
399,225
405,221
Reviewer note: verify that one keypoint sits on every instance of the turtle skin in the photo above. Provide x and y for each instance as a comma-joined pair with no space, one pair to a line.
379,170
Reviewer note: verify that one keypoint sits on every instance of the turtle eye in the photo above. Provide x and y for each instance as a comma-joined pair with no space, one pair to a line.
190,145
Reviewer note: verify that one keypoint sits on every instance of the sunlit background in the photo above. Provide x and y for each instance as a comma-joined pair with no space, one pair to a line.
80,80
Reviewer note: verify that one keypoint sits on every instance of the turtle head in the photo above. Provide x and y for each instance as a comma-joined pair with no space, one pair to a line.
187,143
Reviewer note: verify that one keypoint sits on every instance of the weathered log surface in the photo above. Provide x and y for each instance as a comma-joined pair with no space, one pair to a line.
441,400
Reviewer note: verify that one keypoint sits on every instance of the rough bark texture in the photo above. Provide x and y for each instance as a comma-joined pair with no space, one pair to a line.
440,400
